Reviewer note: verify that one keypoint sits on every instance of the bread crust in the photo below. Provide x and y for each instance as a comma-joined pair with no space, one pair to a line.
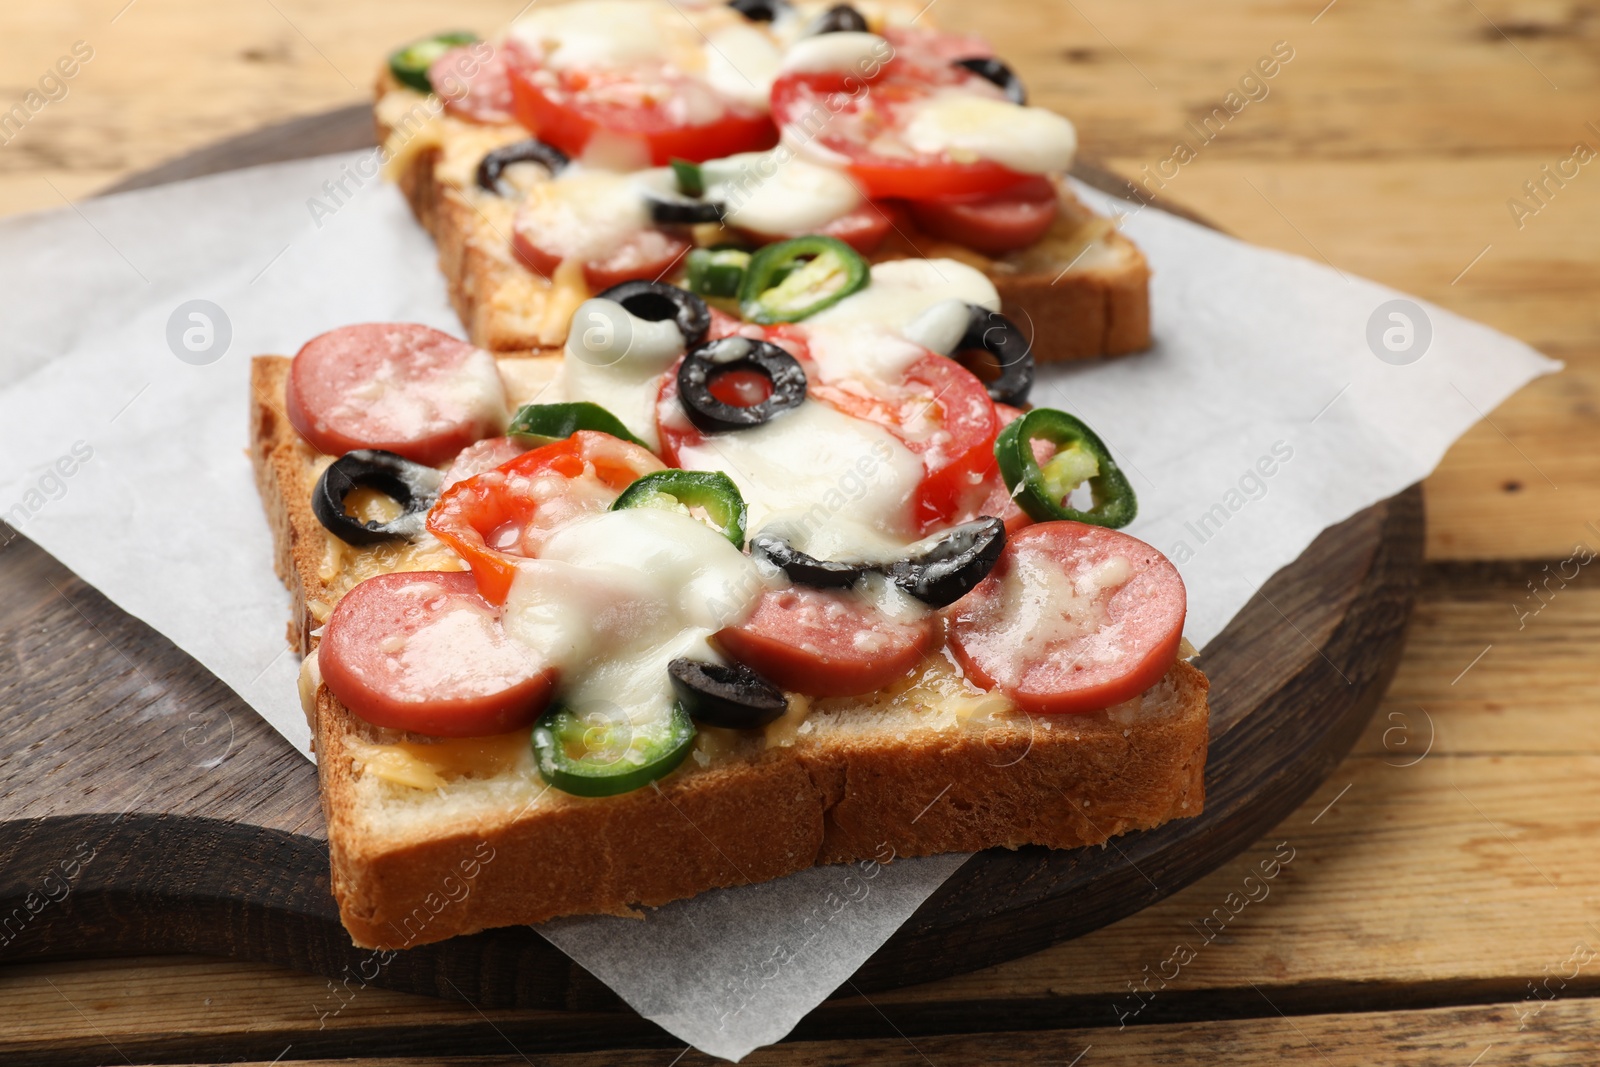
836,795
1083,781
1073,313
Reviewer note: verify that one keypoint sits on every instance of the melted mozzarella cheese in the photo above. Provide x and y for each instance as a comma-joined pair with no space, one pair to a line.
940,326
583,214
837,53
817,461
855,351
741,64
602,34
616,360
779,193
838,539
903,289
614,597
1030,140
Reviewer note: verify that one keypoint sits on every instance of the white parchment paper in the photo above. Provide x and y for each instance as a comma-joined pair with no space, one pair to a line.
1263,414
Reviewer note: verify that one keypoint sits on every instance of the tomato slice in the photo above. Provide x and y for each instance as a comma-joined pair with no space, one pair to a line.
423,651
993,223
496,518
942,413
826,642
866,128
642,108
1074,618
673,428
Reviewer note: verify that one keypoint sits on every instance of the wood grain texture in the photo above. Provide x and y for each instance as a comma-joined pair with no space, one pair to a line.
1392,141
1413,889
1328,627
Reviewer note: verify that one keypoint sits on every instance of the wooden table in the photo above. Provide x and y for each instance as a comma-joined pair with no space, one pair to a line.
1436,901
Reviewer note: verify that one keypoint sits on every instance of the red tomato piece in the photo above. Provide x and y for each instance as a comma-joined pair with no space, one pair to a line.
423,651
826,642
942,413
646,106
993,223
646,255
864,127
1074,618
672,426
396,386
474,82
741,388
496,518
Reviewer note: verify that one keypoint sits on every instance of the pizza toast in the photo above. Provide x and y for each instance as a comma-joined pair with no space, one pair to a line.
1079,284
422,851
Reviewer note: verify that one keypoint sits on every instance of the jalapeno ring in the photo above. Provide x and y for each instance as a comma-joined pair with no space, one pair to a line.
1080,456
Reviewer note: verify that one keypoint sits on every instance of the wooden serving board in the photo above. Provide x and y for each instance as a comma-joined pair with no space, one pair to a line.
144,808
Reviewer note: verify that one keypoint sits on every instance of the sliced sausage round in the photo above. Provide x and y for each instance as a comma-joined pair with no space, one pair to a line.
423,651
827,642
474,83
399,387
994,223
1073,618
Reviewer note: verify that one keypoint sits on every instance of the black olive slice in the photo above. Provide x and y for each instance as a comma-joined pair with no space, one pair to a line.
994,70
807,570
731,696
759,10
532,150
413,486
672,210
956,563
705,364
658,302
991,332
840,18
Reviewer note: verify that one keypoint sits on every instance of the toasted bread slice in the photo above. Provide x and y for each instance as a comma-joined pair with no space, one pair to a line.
433,839
1081,292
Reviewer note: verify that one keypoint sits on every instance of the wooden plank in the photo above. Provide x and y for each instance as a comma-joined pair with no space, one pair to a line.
1563,1033
1131,75
1417,882
1558,1030
1463,119
1526,483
